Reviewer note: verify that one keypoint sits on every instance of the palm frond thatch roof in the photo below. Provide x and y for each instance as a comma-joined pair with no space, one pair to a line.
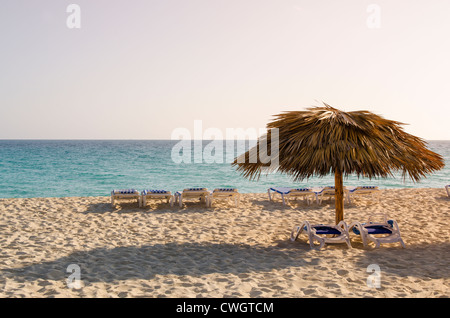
324,140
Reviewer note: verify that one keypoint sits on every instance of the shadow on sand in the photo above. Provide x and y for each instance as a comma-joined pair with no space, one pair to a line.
144,262
153,207
421,261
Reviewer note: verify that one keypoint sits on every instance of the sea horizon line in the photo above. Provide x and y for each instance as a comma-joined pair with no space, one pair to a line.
135,139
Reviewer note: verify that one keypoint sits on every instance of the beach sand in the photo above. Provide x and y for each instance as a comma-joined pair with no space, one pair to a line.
224,251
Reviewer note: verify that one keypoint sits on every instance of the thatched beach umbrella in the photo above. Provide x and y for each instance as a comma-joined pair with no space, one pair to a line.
324,140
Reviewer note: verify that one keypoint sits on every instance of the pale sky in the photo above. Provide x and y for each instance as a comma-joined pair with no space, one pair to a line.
140,69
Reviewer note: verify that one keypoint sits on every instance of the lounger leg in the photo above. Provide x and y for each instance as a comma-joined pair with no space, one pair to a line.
270,198
322,243
311,241
364,238
112,201
295,233
348,242
282,197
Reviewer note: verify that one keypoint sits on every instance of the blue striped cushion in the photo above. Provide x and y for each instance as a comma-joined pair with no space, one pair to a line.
125,191
376,229
145,192
195,189
322,229
363,187
225,190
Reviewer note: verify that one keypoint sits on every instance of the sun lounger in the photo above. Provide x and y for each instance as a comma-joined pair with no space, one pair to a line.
201,194
224,193
371,231
362,190
288,193
128,194
328,192
447,188
158,195
323,234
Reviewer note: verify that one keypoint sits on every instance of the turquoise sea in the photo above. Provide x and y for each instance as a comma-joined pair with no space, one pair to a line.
72,168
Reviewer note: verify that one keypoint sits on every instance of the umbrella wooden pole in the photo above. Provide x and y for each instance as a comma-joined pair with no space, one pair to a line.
339,196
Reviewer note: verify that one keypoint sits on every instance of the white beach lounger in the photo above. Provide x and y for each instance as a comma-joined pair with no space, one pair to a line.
128,194
201,194
328,192
447,188
370,231
362,190
157,195
224,194
288,193
324,234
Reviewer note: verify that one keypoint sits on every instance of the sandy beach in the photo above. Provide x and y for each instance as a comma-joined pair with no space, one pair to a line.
223,251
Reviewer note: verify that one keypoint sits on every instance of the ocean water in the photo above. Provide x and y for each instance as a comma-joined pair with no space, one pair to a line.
72,168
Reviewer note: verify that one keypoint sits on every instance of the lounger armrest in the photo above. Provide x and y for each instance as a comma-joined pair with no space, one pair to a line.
343,225
309,229
395,226
359,227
